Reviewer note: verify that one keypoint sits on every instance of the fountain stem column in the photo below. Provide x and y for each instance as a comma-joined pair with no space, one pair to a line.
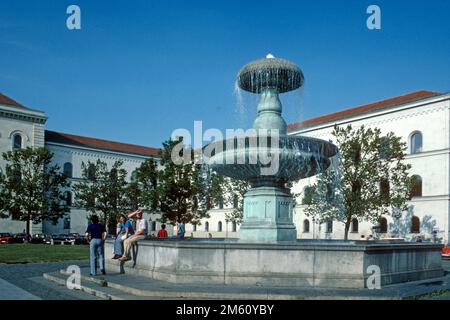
269,112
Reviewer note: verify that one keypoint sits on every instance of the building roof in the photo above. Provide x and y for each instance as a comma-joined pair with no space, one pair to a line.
10,102
87,142
364,109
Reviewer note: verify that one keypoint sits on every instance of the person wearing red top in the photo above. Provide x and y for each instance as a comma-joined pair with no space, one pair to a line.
162,233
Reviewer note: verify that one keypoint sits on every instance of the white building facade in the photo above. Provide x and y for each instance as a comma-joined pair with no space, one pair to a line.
421,119
21,127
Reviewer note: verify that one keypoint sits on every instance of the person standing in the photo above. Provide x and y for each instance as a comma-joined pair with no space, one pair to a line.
140,234
96,234
162,233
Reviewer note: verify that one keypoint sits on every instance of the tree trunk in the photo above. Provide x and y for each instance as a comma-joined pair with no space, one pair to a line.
347,229
28,228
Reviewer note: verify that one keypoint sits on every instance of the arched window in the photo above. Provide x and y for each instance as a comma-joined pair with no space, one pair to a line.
153,225
385,148
306,226
234,226
67,223
416,142
235,201
384,189
329,226
17,141
68,198
68,169
194,227
415,224
308,193
416,189
221,203
383,225
206,226
355,225
91,171
219,226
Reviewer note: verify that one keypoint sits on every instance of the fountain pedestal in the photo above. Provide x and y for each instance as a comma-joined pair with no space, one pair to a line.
268,216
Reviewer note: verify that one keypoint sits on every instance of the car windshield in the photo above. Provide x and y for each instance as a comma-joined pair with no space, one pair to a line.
5,235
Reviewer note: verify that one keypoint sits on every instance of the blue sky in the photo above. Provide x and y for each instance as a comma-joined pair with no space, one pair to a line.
137,70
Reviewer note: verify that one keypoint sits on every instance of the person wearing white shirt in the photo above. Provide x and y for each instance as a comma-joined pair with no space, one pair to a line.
140,233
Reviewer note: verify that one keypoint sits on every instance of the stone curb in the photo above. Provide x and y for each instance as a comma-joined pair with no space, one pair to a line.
89,290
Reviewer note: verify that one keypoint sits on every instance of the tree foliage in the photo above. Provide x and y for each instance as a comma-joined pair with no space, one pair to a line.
103,189
369,180
32,189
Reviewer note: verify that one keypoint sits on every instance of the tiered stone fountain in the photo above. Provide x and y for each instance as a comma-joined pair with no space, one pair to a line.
268,252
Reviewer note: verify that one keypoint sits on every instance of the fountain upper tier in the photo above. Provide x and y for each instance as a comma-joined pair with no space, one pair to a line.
270,72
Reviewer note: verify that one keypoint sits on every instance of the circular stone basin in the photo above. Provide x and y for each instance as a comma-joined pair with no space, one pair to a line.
293,159
266,73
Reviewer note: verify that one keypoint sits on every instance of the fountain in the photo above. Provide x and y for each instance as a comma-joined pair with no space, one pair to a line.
268,252
268,204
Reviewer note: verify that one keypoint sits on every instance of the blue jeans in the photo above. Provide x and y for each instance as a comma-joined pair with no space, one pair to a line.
118,248
96,249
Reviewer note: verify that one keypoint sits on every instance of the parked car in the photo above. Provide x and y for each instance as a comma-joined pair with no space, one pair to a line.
38,239
62,238
19,238
6,237
446,252
79,239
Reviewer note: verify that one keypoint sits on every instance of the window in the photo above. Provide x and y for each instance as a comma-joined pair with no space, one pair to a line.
153,225
17,141
308,193
67,223
194,227
234,226
306,226
355,225
416,142
416,188
329,227
383,225
384,189
67,169
219,226
206,226
91,171
221,203
415,224
235,201
68,198
385,148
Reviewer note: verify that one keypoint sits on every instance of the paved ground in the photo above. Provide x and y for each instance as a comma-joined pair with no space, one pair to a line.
25,281
29,277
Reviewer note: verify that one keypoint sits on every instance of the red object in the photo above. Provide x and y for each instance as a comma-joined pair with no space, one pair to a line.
6,238
162,233
446,251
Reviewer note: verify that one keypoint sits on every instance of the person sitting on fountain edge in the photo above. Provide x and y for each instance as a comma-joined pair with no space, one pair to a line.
140,234
124,231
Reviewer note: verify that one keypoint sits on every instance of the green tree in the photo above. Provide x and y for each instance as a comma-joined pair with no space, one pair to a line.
369,180
32,189
103,190
142,190
235,191
186,191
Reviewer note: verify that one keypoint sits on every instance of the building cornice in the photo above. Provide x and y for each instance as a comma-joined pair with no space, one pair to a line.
86,151
394,109
23,115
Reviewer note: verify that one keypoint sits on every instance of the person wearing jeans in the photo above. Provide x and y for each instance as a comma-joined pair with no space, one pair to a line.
126,230
96,233
140,234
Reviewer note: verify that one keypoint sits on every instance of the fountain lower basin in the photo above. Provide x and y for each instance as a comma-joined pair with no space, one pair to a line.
328,264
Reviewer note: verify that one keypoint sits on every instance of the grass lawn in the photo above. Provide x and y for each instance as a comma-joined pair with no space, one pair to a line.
28,253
